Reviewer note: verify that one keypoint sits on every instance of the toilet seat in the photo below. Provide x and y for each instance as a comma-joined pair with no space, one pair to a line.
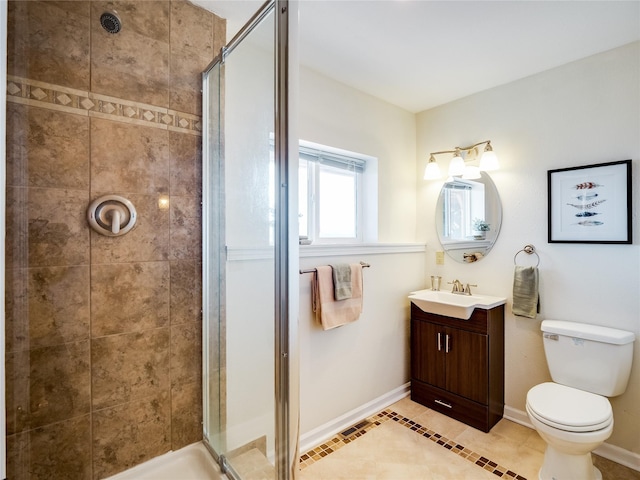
569,409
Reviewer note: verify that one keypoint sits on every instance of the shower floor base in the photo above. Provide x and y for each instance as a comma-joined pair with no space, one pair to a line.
189,463
252,464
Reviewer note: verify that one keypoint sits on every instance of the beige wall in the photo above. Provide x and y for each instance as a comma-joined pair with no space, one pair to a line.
345,368
582,113
103,334
336,115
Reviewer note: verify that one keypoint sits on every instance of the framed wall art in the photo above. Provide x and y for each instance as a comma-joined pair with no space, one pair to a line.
590,204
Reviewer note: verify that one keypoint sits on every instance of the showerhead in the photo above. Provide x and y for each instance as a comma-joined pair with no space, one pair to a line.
110,22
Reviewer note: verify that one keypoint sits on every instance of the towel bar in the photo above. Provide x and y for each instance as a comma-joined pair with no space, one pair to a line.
311,270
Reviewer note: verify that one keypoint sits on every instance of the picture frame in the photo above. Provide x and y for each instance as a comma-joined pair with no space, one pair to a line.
590,204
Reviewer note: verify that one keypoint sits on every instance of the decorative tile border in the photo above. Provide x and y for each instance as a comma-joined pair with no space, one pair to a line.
79,102
340,440
349,435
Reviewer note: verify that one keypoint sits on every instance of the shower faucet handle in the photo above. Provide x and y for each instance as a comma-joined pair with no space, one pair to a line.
112,215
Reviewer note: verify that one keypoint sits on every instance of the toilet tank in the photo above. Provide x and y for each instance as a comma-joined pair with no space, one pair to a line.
588,357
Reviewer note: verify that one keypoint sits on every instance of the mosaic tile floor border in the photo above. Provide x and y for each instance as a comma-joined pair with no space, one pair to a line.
361,428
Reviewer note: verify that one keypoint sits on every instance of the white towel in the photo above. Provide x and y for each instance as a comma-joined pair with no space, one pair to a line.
332,313
526,299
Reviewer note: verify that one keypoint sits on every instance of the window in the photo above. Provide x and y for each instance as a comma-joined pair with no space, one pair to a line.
333,194
337,195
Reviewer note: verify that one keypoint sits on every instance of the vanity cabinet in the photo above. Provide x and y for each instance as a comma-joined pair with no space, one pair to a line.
457,366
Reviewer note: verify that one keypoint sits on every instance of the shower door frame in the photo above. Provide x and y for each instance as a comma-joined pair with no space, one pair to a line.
4,5
286,250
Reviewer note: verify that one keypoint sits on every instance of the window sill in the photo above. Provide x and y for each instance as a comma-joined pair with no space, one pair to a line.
327,250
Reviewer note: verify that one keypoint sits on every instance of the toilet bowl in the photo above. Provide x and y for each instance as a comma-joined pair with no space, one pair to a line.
573,423
588,363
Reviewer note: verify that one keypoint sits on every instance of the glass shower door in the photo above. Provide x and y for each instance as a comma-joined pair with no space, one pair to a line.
245,257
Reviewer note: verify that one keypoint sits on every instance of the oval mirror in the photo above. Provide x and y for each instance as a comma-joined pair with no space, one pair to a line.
468,217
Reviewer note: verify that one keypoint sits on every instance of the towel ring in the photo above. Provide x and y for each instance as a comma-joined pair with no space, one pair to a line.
528,249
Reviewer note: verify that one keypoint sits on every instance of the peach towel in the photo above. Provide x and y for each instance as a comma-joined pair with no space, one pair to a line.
329,312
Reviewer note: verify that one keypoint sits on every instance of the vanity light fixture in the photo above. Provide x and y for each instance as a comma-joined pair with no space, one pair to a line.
458,167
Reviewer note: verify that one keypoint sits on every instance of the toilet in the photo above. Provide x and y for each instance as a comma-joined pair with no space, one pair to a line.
572,414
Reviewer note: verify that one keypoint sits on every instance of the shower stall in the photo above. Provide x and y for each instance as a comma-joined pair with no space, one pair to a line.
103,333
250,242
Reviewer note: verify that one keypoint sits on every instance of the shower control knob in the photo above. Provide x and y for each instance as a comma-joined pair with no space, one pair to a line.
112,215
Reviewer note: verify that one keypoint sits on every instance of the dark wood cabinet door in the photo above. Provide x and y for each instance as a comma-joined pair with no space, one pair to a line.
427,362
467,365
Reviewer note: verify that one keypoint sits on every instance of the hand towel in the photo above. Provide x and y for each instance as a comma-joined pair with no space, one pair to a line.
526,300
331,313
341,281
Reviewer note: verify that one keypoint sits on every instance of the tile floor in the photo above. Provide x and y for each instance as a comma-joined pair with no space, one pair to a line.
408,441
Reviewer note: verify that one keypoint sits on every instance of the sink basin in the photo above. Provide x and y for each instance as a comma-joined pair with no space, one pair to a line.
453,304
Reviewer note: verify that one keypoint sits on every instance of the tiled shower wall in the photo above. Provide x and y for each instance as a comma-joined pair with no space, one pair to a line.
103,335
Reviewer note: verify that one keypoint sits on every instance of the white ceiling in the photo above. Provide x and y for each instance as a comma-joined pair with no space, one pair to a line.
418,54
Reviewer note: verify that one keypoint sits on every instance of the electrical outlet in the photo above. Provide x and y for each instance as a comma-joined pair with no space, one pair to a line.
439,258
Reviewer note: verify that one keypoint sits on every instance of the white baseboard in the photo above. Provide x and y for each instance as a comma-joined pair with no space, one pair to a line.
517,416
606,450
320,434
619,455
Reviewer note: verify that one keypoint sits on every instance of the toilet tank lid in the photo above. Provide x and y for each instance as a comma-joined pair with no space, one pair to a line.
597,333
